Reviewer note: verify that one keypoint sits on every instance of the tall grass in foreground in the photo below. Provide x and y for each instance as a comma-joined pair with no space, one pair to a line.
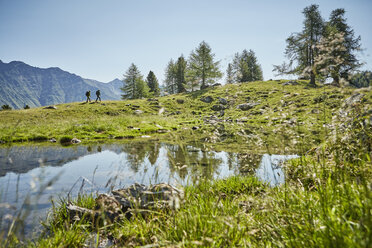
328,208
326,202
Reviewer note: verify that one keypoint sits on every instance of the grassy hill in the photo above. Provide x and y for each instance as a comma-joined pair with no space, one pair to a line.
276,116
325,202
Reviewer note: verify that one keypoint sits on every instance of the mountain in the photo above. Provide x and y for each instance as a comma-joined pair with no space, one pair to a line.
22,84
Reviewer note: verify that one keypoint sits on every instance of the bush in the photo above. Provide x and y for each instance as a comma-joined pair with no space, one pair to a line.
6,107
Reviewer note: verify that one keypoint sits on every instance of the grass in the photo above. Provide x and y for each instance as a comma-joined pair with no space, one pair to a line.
240,211
325,202
284,116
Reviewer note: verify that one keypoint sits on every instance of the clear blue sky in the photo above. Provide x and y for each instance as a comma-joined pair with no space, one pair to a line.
99,39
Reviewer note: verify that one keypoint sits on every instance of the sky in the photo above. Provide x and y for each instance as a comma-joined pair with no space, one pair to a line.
99,39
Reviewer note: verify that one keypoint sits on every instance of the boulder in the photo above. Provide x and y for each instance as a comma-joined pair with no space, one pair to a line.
180,101
222,101
218,107
355,98
137,112
290,83
75,141
158,196
246,106
207,99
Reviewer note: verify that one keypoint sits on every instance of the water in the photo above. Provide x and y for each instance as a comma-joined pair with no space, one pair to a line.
32,176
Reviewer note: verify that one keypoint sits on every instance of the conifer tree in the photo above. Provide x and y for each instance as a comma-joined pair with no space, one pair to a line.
180,69
230,77
330,59
246,67
301,47
152,83
170,77
337,23
202,66
134,87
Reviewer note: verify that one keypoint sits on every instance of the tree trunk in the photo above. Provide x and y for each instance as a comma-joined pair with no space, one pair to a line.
312,79
336,80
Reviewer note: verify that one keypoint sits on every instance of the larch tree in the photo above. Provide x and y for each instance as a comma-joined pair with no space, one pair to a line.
330,58
351,44
202,66
301,47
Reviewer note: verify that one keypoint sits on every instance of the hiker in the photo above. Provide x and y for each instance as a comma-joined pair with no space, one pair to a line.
98,94
87,94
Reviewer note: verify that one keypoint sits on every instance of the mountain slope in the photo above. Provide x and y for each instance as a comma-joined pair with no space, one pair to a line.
22,84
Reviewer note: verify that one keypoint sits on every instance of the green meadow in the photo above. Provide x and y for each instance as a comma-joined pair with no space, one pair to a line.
325,202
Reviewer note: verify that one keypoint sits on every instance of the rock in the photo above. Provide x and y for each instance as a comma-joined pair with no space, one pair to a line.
50,107
161,111
355,98
242,120
315,111
53,140
212,120
222,113
108,203
218,107
158,196
216,85
137,112
222,101
75,141
319,99
134,107
207,99
290,83
195,128
246,106
152,100
162,131
180,101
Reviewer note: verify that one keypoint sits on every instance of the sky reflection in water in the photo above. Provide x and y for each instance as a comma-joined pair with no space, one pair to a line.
92,169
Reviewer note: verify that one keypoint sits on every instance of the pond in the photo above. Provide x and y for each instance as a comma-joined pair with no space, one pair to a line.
32,176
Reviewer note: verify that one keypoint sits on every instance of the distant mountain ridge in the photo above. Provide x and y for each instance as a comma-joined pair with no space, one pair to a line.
22,84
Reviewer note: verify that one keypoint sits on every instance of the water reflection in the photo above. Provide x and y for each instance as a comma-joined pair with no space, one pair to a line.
41,174
270,168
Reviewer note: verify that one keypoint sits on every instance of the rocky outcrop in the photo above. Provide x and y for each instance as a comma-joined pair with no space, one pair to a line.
137,198
218,107
207,99
355,98
222,101
247,106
